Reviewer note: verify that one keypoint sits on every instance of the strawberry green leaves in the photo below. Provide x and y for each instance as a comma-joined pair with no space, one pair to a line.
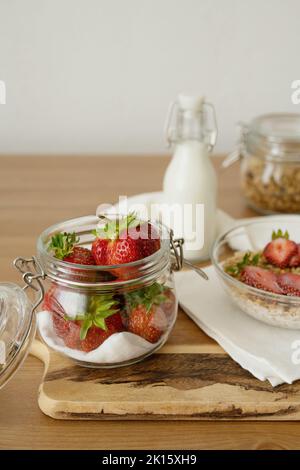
100,307
86,325
147,296
280,234
113,229
62,244
249,259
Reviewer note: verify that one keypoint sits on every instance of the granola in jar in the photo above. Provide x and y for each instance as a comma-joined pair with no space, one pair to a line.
270,163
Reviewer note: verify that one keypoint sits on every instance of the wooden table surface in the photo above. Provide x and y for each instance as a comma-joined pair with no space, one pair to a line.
36,192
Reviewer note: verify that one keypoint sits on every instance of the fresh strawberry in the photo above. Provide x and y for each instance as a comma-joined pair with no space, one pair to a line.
290,283
63,245
147,238
123,251
60,324
80,255
147,317
295,260
99,251
96,336
280,251
101,321
70,332
72,336
51,303
113,245
86,331
261,279
150,325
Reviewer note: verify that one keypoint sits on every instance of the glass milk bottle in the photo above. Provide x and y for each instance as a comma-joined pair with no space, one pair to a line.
190,183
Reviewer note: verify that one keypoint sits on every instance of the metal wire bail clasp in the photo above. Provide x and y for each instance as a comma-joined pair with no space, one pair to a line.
240,147
177,251
32,274
176,246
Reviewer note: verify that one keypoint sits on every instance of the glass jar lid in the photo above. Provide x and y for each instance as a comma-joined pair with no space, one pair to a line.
16,329
274,136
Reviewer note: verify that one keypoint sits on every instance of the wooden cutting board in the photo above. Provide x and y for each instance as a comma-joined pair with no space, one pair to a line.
179,382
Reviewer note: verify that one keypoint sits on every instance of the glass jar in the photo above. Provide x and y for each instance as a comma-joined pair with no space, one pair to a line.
99,316
269,149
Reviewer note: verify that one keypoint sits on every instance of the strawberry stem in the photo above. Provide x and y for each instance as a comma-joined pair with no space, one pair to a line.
62,244
100,307
280,234
113,228
147,296
248,260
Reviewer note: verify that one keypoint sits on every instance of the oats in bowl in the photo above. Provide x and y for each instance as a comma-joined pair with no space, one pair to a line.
263,278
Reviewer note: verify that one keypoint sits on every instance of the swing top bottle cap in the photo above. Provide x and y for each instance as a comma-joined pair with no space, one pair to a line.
190,102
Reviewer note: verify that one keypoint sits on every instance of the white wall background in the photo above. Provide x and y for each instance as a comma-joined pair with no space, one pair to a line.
96,76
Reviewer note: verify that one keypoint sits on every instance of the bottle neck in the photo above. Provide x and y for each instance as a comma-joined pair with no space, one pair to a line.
190,126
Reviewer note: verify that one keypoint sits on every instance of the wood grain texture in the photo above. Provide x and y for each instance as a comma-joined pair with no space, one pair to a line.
36,192
170,385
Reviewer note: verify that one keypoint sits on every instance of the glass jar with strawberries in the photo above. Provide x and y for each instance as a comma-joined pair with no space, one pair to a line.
109,289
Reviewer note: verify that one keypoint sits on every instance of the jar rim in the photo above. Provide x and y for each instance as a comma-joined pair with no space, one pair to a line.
57,270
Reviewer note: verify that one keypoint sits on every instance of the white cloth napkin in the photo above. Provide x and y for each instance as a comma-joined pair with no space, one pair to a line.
268,352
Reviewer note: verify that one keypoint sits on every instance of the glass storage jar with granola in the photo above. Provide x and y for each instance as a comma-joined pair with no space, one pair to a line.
269,150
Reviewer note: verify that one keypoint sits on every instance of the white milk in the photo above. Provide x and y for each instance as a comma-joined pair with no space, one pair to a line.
190,183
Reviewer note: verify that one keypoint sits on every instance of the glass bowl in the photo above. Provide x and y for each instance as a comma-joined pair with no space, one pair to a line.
273,309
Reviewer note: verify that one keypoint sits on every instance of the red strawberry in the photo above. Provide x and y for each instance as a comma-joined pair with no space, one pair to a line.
80,255
60,325
147,238
96,336
150,325
130,244
51,303
63,245
71,337
63,328
113,244
147,317
123,251
101,321
290,283
87,331
280,251
295,260
261,279
99,251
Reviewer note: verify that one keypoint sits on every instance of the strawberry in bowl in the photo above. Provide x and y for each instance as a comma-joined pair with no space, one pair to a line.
270,269
259,267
